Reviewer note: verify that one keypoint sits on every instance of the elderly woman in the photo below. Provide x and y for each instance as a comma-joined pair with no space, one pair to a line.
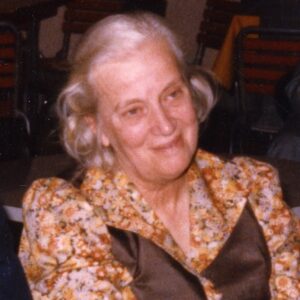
154,218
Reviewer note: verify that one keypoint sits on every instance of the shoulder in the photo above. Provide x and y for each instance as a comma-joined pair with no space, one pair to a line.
207,159
249,172
65,247
54,201
59,223
258,182
51,194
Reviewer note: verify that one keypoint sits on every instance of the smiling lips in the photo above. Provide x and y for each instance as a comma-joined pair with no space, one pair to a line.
170,145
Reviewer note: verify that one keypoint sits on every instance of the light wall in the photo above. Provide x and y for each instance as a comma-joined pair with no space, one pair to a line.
185,16
50,35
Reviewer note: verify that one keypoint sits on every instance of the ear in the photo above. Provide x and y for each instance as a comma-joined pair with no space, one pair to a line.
91,122
105,140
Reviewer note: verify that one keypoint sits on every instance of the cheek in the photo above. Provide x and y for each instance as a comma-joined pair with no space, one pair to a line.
130,136
190,125
188,115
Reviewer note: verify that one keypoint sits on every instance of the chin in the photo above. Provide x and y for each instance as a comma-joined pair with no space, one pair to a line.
174,168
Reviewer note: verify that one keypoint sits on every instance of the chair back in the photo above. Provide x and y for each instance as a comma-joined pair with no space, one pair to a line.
9,69
81,14
14,124
217,17
265,57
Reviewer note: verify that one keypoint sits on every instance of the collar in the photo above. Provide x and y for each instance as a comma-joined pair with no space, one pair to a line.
217,198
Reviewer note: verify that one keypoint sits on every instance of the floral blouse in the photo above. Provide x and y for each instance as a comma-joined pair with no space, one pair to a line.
66,248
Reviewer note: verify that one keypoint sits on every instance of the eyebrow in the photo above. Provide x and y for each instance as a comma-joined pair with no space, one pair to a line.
173,82
127,102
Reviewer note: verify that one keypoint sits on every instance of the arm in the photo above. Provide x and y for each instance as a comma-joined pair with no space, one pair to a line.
65,247
281,229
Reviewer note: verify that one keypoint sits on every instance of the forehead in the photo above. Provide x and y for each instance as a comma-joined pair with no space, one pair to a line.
151,66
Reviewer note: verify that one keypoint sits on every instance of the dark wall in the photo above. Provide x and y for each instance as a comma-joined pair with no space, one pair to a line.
156,6
280,13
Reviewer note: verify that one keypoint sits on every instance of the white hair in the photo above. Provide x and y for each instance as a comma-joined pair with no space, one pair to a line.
109,40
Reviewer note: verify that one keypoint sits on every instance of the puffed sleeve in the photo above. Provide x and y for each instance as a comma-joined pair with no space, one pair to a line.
65,247
281,229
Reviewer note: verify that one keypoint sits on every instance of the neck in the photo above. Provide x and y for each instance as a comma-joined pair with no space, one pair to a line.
170,202
171,205
164,197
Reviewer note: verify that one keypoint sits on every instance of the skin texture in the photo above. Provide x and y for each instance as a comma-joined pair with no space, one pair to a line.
147,116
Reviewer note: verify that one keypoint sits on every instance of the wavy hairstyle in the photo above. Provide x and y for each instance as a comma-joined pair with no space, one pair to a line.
110,39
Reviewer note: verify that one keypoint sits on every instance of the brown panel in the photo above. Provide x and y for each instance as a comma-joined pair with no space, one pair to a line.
7,82
250,57
7,53
7,39
273,45
263,74
7,68
265,89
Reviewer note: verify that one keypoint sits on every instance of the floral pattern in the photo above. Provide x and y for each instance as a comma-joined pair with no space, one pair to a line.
66,249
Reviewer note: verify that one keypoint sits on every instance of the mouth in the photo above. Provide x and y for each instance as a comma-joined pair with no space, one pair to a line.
169,145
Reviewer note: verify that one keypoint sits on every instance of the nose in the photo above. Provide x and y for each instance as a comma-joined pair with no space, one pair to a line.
163,122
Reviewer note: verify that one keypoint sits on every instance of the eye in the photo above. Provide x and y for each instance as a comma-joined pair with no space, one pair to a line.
133,112
175,95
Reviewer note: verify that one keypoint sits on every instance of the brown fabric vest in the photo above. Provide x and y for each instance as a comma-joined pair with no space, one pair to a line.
241,271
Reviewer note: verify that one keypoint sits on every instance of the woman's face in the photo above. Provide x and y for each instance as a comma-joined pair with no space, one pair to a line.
147,115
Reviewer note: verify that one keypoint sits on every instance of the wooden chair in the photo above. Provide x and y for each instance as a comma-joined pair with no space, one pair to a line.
15,127
81,14
213,28
78,17
265,58
9,65
53,72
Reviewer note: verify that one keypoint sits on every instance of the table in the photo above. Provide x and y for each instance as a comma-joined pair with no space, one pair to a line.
223,65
